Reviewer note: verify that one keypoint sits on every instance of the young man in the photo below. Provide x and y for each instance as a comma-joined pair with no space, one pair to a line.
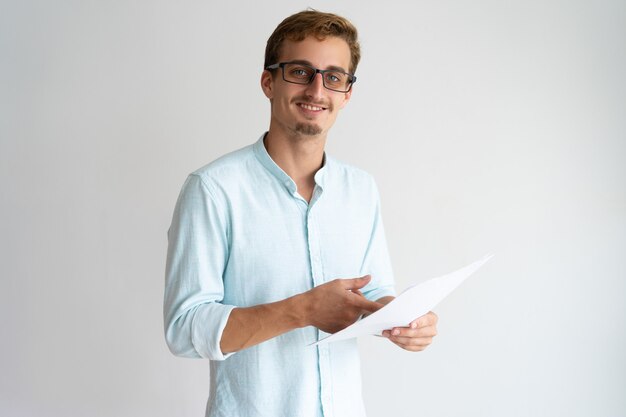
263,242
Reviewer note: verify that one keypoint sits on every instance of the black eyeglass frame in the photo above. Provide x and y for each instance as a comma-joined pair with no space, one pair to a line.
281,65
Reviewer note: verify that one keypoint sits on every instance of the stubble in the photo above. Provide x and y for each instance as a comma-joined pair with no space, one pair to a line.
308,129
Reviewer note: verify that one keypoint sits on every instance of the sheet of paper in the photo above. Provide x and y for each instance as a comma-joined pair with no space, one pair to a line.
413,302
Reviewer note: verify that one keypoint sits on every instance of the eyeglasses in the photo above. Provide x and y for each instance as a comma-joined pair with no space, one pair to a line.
305,74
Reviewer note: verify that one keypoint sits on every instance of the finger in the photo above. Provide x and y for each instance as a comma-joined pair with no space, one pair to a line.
430,331
355,283
367,305
412,341
409,342
427,319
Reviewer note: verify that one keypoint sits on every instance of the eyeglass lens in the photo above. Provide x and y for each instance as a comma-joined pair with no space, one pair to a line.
303,74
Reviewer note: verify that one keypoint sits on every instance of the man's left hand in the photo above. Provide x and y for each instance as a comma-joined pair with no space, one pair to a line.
417,335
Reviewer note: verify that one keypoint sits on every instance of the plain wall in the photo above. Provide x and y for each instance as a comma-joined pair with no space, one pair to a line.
490,126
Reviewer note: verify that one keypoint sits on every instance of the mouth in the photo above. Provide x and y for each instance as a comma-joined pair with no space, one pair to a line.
311,107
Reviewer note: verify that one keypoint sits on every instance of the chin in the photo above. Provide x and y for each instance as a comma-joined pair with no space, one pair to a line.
308,129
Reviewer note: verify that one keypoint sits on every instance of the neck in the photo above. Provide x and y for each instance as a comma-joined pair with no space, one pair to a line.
300,156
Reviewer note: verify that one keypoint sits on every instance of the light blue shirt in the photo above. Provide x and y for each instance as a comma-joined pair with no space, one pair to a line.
241,235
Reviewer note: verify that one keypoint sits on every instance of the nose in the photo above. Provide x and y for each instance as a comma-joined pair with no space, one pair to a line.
316,87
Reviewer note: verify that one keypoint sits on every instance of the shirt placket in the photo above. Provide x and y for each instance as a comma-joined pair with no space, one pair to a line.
318,279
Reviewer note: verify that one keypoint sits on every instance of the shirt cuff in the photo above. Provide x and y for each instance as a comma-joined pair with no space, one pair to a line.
379,293
207,329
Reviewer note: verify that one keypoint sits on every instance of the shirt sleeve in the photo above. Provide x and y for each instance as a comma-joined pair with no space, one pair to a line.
376,261
194,316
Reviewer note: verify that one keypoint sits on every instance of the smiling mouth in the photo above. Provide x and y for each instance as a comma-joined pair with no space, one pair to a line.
311,107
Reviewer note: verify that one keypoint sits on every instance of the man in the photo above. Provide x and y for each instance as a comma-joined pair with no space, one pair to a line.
263,242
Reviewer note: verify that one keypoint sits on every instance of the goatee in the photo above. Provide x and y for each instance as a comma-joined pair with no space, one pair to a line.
308,129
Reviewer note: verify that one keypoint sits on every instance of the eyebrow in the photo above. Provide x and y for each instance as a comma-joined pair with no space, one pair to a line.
305,62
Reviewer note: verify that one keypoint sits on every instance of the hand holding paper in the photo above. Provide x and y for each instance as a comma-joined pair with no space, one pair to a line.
417,336
339,303
414,302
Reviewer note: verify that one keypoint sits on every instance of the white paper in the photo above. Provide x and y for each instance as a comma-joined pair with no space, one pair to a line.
413,302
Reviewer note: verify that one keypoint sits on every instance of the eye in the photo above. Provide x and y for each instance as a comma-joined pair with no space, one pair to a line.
300,72
335,77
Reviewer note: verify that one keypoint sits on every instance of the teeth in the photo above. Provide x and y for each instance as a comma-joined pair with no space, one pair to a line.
309,107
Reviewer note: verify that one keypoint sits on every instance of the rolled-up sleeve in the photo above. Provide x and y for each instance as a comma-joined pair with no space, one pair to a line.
194,316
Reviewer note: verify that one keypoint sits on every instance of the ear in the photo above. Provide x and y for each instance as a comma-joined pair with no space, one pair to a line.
267,84
346,98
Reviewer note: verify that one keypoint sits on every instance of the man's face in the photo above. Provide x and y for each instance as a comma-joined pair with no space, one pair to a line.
307,110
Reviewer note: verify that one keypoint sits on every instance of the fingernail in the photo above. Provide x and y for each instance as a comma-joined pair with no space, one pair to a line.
413,325
396,332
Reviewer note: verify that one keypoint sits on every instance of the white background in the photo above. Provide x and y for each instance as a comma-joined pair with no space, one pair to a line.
490,126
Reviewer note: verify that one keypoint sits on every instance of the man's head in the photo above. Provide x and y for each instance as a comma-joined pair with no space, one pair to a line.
317,24
303,45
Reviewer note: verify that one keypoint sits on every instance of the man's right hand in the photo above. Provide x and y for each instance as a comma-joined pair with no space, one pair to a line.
330,307
337,304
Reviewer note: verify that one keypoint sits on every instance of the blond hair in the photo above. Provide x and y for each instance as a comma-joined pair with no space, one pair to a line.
313,23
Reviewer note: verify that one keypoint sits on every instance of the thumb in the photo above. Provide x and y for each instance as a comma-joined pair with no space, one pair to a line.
356,283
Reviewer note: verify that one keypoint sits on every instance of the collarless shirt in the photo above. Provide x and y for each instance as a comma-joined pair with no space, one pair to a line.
241,235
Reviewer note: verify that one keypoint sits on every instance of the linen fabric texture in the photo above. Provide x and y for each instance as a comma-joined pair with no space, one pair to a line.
240,236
